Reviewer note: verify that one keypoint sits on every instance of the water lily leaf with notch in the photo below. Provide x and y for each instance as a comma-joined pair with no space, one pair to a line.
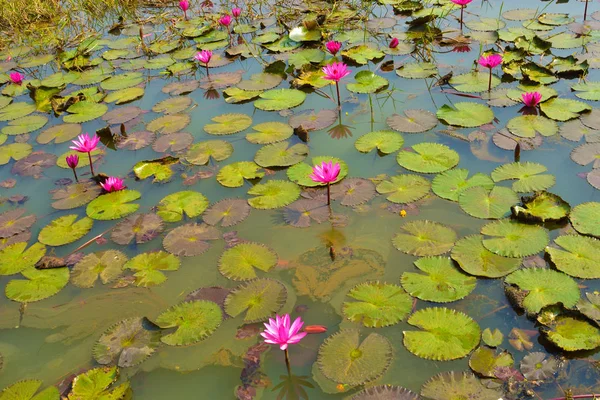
573,333
84,111
567,40
417,70
180,88
59,133
590,306
438,280
127,343
122,81
458,385
142,228
113,205
257,299
93,76
65,230
280,99
538,366
585,218
579,256
96,384
174,206
270,132
367,82
201,153
377,304
542,207
527,126
173,105
514,239
428,158
233,175
17,257
239,262
159,168
302,212
75,195
473,258
446,334
588,153
236,95
227,212
305,57
148,267
413,121
300,173
280,154
492,338
123,96
121,115
353,191
301,34
587,90
532,45
424,238
450,184
273,194
555,19
159,62
16,151
260,81
39,285
528,176
473,82
537,73
383,392
564,109
16,110
227,124
190,239
104,265
465,114
485,24
194,320
34,164
312,121
363,53
386,142
344,358
494,203
404,189
484,361
542,287
169,123
27,389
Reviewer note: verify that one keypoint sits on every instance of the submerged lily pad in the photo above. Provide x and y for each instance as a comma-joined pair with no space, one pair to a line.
148,267
579,256
514,239
456,385
428,158
190,239
273,194
38,285
467,115
175,206
377,304
258,299
105,265
424,238
113,205
65,230
585,218
384,141
476,260
239,262
451,184
494,203
404,188
233,175
528,176
194,320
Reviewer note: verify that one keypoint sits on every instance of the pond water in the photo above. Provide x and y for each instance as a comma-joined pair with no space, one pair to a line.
415,325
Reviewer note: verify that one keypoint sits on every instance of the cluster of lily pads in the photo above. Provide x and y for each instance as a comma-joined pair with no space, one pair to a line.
514,202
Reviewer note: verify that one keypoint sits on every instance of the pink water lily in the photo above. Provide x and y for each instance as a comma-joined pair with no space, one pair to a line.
531,99
462,4
326,173
335,72
225,20
184,5
333,47
72,161
113,184
394,43
279,331
236,12
204,57
490,61
86,144
16,78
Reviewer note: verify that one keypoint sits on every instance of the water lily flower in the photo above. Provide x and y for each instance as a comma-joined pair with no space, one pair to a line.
16,78
531,99
394,43
184,5
279,331
72,162
462,4
326,173
113,184
236,12
335,72
490,61
86,144
333,47
225,20
204,56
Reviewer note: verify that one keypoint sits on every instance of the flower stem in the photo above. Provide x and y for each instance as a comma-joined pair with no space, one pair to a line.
75,173
462,10
490,81
337,88
287,363
207,70
91,164
585,10
328,194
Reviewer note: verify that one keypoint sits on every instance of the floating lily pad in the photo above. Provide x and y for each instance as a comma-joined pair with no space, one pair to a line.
227,212
194,320
121,115
148,267
24,125
27,389
344,358
485,360
190,239
538,366
13,222
127,343
201,153
563,109
65,230
140,228
122,81
543,287
450,184
494,203
385,142
84,160
305,57
16,257
239,262
270,132
136,140
169,123
377,304
38,285
159,168
385,392
84,111
280,99
455,385
260,81
172,142
353,191
413,121
113,205
404,188
527,126
300,173
417,70
446,334
281,154
173,207
236,95
542,207
75,195
579,256
588,153
34,164
363,53
97,384
573,334
104,265
273,194
124,96
492,338
514,239
367,82
468,115
424,238
528,176
475,259
575,130
16,110
59,133
257,300
438,280
312,121
473,82
585,218
233,175
227,124
537,73
428,158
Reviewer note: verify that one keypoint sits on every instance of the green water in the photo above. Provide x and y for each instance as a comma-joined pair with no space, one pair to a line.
53,338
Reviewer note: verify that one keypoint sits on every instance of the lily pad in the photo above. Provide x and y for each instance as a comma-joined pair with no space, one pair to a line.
528,176
385,142
575,130
527,126
413,121
492,338
455,385
563,109
424,238
201,153
281,154
104,265
75,195
169,123
233,175
273,194
159,168
353,191
64,230
227,124
485,360
428,158
588,153
227,212
27,389
300,173
542,207
97,384
404,189
538,366
474,259
13,222
363,53
260,81
194,320
122,81
514,239
280,99
270,132
85,111
452,183
473,82
16,257
384,392
148,267
585,218
313,121
24,125
38,285
579,256
16,110
467,115
494,203
139,228
367,82
417,70
377,304
257,300
239,262
573,334
174,206
59,133
113,205
190,239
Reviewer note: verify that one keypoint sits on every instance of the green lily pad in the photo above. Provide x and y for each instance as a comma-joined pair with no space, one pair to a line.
169,123
458,385
24,125
236,95
194,320
542,207
587,90
363,53
528,176
473,82
17,257
468,115
564,109
385,142
239,262
542,287
585,218
514,239
96,384
344,358
446,334
113,205
273,194
227,124
494,203
424,238
539,74
428,158
16,110
417,70
270,132
555,19
65,230
84,111
260,81
84,160
122,81
59,133
492,338
174,206
159,168
587,153
104,265
377,304
450,184
382,392
280,99
39,285
438,280
527,126
573,334
190,239
14,151
484,361
413,121
474,259
27,389
579,256
485,24
367,82
124,96
404,189
148,267
300,173
233,175
305,57
258,299
201,153
281,154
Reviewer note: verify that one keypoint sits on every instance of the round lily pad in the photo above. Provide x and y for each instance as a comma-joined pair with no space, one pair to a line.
563,109
424,238
417,70
456,385
227,212
413,121
385,142
473,82
485,360
438,280
446,334
122,81
64,230
494,203
148,267
450,184
377,304
84,111
579,256
124,96
84,160
313,121
404,188
258,299
527,126
528,175
302,212
59,133
538,366
194,320
16,257
367,82
270,132
281,154
97,383
466,114
273,194
541,207
260,81
38,285
173,105
34,164
239,262
353,191
428,158
588,153
280,99
13,222
514,239
16,110
300,173
27,389
120,115
169,123
104,265
383,392
476,260
159,168
174,206
233,175
136,140
75,195
172,142
344,358
190,239
139,228
24,125
585,218
201,153
227,124
573,334
113,205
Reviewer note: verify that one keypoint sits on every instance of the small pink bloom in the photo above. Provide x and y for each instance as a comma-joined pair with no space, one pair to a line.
72,161
204,56
85,143
184,5
491,61
333,47
461,48
531,99
236,12
113,184
461,2
225,20
327,172
335,71
16,78
278,331
394,43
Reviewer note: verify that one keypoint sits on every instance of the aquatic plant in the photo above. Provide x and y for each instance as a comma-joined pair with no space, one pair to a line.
16,78
394,43
236,12
279,331
333,47
204,56
86,144
531,99
326,173
113,184
72,161
336,72
184,5
462,4
490,61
